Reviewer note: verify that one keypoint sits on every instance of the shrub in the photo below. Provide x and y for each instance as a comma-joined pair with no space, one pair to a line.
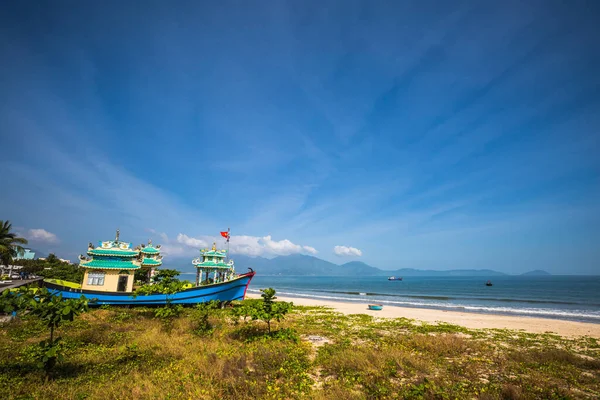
165,282
270,310
201,317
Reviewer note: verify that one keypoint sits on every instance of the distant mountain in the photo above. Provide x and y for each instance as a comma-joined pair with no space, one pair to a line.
182,264
299,264
360,268
242,263
452,272
536,272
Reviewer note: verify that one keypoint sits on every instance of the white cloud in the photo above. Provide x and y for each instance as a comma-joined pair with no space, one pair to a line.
182,246
42,235
191,241
310,250
254,246
347,251
266,246
282,247
171,250
243,244
247,245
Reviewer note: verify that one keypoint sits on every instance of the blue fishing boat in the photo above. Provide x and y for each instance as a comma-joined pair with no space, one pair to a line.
110,267
395,278
377,307
234,289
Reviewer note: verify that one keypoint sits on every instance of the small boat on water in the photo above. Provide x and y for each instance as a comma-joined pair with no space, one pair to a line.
109,276
377,307
488,283
395,278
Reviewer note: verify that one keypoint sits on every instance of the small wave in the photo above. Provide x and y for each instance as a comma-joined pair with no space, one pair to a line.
434,297
539,312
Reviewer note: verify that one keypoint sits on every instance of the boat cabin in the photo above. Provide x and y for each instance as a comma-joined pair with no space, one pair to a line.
211,266
110,266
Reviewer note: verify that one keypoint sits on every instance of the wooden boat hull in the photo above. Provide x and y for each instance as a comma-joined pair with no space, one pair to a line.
234,289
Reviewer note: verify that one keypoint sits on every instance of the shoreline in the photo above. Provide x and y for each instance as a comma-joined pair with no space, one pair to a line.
468,320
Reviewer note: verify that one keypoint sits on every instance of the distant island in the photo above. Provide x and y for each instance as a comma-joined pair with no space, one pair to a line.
312,266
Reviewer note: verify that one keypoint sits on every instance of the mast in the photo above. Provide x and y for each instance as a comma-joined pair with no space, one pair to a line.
228,244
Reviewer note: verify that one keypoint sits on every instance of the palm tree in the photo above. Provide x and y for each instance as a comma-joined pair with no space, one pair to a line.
10,244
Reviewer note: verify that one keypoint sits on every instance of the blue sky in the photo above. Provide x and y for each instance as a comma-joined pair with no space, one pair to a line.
432,135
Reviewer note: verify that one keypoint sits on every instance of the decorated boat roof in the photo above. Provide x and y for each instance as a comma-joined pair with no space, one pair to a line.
207,259
214,252
150,248
110,264
113,254
115,247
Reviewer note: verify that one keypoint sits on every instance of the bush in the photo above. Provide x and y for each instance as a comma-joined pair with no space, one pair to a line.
165,282
266,310
270,310
201,316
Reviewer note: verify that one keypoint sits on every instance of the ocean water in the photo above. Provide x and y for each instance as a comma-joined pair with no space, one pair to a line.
563,297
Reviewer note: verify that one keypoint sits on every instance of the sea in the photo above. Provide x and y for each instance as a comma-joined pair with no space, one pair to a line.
575,298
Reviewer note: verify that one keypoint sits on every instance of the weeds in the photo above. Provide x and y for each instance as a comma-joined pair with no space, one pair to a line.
211,352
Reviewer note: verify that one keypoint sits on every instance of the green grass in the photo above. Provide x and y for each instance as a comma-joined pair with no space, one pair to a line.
121,353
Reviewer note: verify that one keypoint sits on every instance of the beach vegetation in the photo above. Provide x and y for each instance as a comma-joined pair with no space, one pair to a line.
164,282
268,310
201,317
52,311
314,353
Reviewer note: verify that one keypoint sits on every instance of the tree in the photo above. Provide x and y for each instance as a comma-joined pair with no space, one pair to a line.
141,275
52,259
54,270
269,310
10,244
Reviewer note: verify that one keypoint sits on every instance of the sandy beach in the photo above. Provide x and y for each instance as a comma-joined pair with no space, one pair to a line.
468,320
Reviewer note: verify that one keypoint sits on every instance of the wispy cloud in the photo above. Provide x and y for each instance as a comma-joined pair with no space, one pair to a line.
41,235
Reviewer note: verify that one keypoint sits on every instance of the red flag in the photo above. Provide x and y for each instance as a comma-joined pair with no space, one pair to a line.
225,235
